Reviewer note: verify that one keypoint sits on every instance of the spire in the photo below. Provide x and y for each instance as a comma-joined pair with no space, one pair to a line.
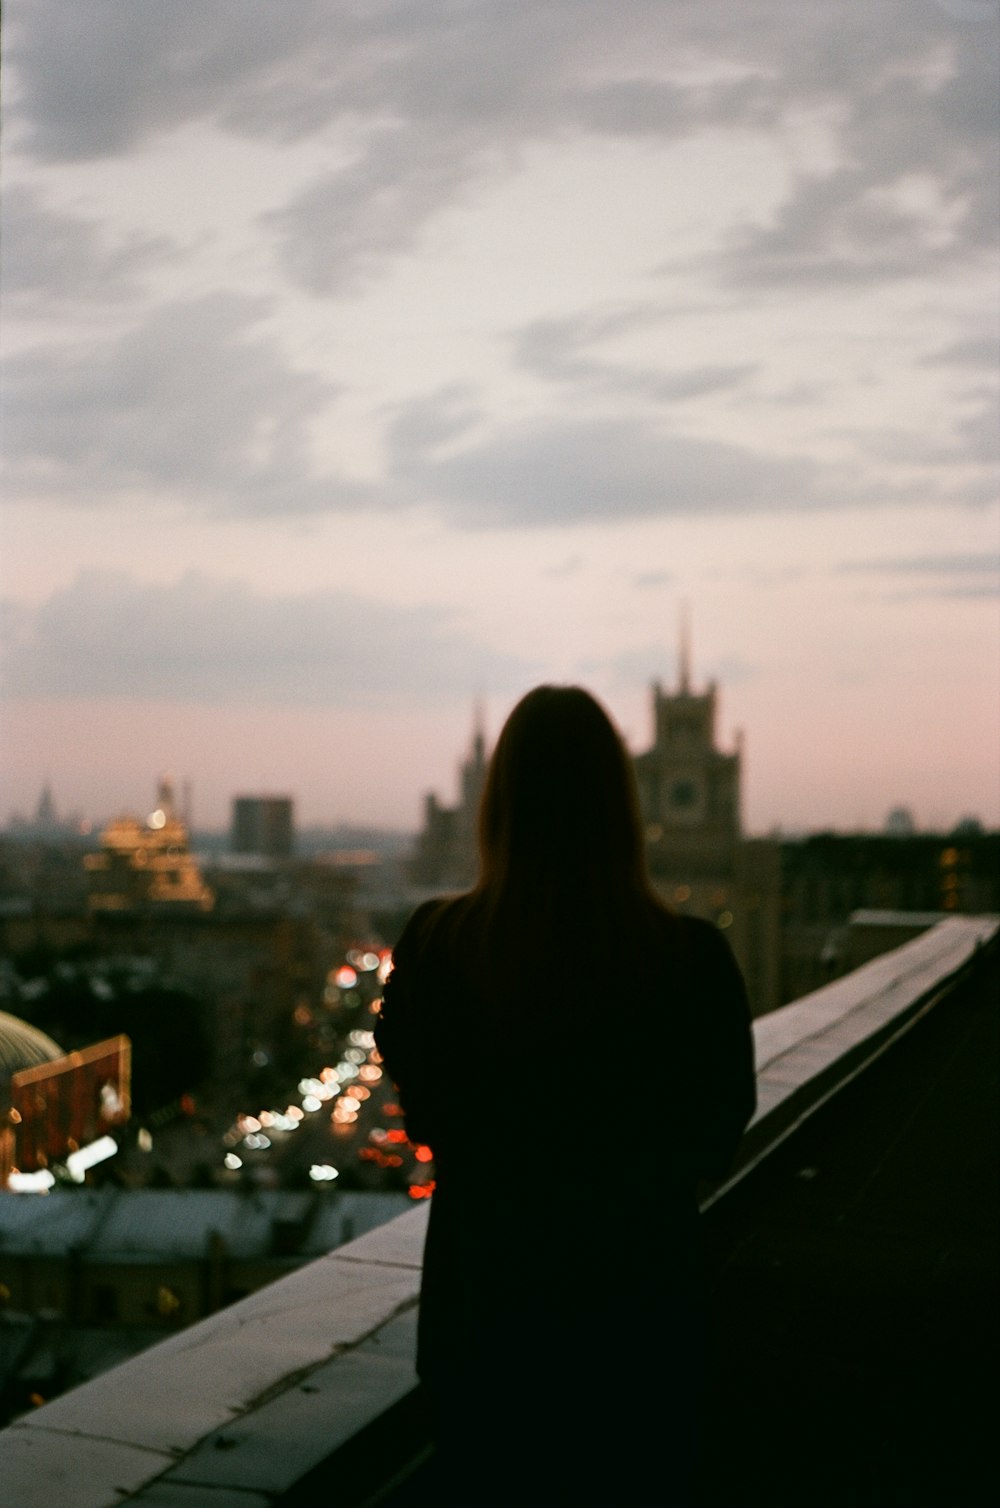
165,797
685,649
45,814
479,732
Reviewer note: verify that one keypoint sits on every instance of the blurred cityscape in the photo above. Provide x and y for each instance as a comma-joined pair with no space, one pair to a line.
187,1060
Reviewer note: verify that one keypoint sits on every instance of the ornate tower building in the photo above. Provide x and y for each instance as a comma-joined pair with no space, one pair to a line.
689,788
690,794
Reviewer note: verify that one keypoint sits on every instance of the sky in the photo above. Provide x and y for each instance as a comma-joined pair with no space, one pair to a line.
367,362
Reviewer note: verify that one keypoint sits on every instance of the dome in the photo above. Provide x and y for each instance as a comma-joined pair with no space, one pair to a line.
23,1046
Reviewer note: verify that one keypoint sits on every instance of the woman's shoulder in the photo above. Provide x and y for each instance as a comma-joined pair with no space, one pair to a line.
430,922
683,933
702,934
697,945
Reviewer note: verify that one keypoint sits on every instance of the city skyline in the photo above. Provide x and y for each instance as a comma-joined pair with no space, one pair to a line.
371,367
48,813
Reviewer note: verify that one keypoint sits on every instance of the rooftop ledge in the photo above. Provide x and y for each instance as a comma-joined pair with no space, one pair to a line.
294,1386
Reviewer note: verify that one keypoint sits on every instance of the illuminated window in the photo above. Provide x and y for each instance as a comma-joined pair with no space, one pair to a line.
167,1302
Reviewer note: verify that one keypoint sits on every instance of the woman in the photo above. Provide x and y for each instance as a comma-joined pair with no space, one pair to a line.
578,1057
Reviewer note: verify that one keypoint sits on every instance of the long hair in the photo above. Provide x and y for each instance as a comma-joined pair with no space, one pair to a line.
561,846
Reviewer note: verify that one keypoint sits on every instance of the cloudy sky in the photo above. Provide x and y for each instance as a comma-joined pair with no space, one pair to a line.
368,360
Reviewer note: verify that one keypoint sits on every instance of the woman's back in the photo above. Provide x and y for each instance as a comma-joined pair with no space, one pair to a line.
569,1134
553,1049
578,1057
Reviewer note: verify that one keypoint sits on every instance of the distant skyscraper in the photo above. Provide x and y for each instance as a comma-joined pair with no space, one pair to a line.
46,821
46,817
899,822
445,853
263,825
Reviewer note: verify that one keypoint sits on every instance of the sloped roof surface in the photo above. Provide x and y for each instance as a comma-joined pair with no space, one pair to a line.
23,1046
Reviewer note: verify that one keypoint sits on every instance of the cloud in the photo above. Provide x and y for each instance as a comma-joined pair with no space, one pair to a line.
97,78
50,258
342,229
979,435
418,106
205,640
912,189
975,442
194,402
850,227
558,351
975,563
432,419
196,405
945,575
974,351
436,97
605,469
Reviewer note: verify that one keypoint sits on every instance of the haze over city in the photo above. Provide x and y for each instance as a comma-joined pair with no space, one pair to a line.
364,365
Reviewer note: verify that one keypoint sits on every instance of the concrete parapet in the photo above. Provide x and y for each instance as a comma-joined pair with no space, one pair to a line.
268,1399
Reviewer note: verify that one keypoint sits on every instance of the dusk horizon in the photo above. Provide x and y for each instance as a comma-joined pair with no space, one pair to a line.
365,370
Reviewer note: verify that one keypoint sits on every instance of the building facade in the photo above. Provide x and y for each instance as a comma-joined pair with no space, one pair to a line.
147,866
263,825
690,793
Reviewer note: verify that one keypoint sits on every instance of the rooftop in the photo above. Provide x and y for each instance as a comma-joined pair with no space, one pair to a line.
854,1255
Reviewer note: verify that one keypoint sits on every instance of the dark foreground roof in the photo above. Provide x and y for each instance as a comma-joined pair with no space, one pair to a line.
856,1285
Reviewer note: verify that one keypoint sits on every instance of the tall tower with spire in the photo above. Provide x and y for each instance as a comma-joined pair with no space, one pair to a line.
699,858
688,787
46,818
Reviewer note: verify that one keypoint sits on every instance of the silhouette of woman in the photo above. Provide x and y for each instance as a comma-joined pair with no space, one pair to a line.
578,1057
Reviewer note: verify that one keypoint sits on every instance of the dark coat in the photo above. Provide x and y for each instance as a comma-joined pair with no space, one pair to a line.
571,1124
